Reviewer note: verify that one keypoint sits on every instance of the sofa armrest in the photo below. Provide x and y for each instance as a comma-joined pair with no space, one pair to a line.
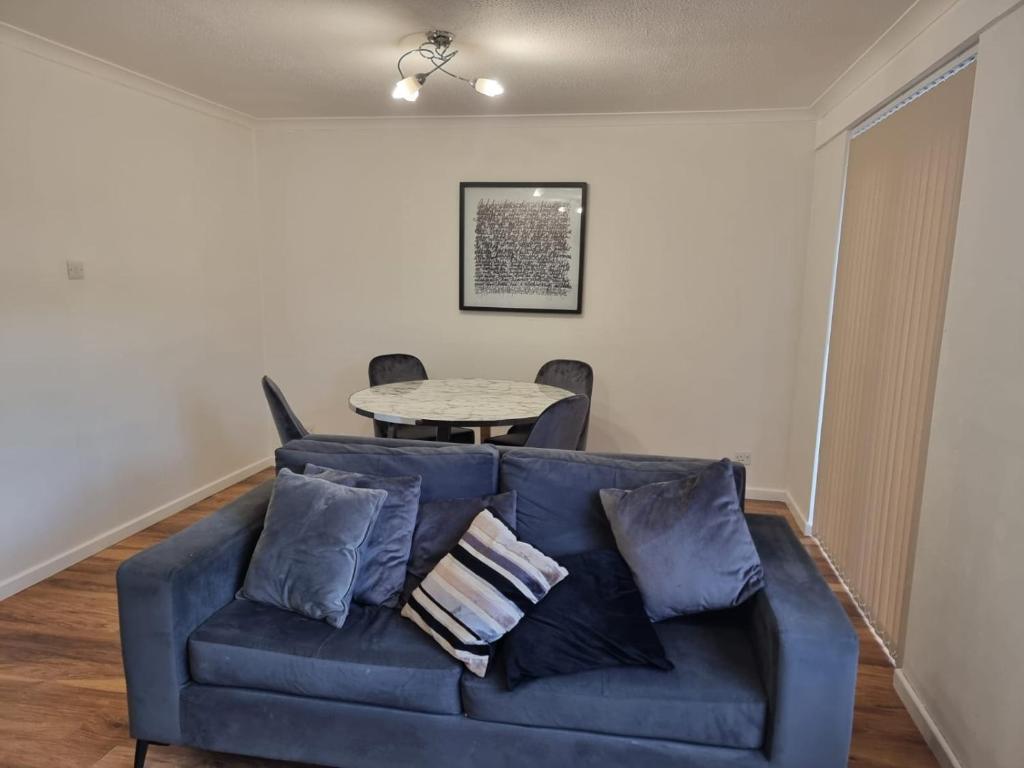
165,592
807,651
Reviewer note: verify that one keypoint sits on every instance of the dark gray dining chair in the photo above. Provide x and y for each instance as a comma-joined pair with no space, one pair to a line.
288,425
573,375
391,369
560,424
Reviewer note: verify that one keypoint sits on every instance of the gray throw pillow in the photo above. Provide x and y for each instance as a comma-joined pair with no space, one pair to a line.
686,542
442,523
386,552
307,556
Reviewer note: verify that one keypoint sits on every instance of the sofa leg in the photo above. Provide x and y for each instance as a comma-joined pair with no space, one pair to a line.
140,753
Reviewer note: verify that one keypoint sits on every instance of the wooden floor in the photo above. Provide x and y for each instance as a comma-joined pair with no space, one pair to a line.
62,699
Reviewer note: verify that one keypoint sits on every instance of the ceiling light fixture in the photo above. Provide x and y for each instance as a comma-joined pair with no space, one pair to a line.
437,52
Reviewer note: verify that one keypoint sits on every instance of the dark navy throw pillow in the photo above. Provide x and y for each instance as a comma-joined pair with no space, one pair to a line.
593,619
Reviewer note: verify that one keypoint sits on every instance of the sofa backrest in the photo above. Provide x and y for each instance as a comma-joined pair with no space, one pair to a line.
448,472
559,508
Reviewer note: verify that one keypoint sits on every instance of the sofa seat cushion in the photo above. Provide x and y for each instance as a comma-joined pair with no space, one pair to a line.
375,658
713,696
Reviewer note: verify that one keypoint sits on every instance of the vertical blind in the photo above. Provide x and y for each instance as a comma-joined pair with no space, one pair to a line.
896,245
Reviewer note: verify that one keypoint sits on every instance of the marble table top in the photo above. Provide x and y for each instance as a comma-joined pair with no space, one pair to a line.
458,402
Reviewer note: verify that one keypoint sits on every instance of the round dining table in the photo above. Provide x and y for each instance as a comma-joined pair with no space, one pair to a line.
447,403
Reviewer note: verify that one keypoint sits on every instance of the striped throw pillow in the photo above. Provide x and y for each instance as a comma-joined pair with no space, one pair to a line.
480,590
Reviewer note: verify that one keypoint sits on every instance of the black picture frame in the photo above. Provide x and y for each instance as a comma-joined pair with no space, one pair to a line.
467,304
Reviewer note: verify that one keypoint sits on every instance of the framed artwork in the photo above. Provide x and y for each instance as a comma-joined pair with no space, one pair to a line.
521,246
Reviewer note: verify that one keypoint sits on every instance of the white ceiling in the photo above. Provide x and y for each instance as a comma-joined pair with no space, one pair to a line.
316,58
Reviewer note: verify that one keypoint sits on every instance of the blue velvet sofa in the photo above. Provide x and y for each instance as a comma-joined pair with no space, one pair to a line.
770,683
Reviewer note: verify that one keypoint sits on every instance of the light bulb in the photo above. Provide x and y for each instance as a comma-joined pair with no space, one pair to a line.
488,87
409,88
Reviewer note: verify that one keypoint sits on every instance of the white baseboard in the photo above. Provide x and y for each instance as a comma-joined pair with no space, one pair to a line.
36,573
798,514
919,714
766,494
778,494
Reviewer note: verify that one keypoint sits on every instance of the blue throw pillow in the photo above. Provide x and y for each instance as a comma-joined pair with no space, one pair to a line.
686,542
593,619
308,555
441,524
386,552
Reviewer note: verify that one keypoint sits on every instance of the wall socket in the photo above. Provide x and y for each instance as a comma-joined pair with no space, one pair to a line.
743,457
76,270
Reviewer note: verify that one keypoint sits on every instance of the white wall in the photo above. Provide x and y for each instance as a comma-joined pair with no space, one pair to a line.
694,255
710,249
815,318
138,385
904,58
962,677
914,47
965,630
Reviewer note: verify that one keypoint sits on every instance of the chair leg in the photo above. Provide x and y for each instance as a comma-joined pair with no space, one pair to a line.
140,753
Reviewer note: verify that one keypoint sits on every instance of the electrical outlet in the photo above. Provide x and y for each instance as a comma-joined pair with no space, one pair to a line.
742,457
76,270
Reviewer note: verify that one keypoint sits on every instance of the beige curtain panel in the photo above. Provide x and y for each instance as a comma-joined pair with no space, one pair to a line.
899,224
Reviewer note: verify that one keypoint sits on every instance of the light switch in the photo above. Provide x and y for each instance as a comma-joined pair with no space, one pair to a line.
76,270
